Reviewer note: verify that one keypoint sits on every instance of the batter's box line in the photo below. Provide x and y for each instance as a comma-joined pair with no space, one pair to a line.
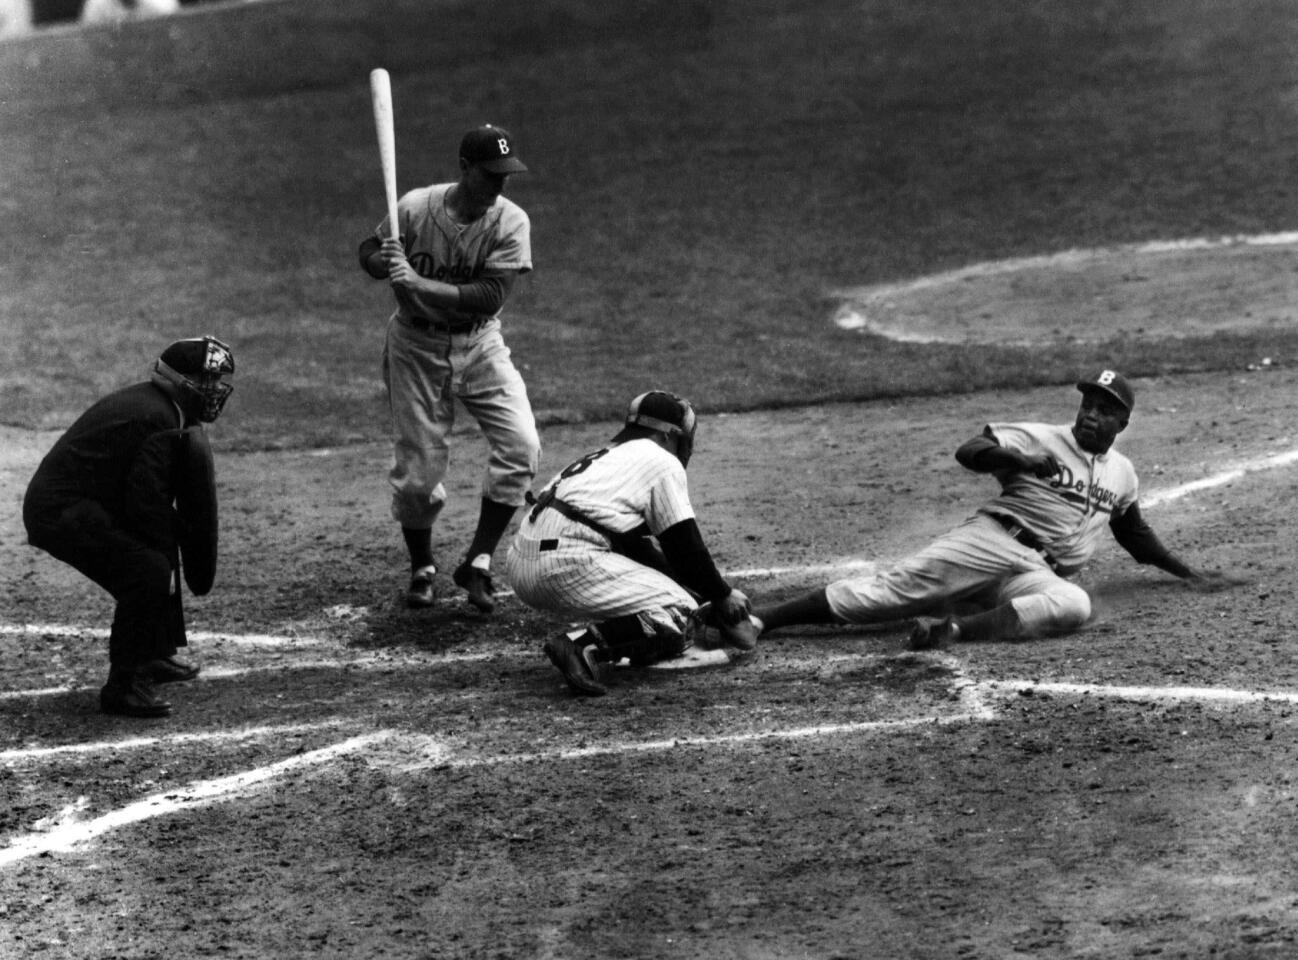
1000,689
71,834
429,752
65,631
976,699
171,740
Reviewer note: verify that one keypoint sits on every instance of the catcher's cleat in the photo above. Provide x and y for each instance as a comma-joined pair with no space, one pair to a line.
420,591
478,583
577,664
170,670
129,693
931,633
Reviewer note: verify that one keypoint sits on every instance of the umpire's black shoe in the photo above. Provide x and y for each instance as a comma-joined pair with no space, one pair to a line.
130,693
170,670
478,583
576,664
420,591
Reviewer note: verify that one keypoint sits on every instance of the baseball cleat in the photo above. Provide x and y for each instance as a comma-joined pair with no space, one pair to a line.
420,591
478,584
931,633
708,633
170,670
742,635
132,695
577,664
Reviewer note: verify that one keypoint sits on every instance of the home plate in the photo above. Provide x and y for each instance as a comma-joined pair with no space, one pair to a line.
693,658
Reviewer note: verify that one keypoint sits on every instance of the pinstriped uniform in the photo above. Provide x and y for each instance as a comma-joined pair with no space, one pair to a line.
563,566
980,559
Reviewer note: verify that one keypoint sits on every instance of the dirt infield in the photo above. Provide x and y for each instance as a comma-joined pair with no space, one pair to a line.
348,778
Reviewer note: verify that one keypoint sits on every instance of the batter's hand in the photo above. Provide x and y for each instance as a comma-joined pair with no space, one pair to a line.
394,257
1214,581
402,274
1040,465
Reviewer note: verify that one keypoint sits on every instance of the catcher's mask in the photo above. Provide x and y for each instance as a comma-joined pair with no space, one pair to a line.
669,414
194,368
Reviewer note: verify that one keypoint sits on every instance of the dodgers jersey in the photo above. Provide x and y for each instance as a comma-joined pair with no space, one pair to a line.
441,248
1069,510
623,486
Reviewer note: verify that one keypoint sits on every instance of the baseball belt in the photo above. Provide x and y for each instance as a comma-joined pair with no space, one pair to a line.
1026,537
463,326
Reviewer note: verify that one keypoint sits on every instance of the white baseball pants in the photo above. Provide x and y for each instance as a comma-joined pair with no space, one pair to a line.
425,372
978,561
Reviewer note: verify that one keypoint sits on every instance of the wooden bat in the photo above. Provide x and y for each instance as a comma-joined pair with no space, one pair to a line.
381,94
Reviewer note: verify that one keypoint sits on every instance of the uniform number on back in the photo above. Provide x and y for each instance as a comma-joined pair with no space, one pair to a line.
580,466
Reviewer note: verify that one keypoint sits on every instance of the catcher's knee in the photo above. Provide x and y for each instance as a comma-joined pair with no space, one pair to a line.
640,638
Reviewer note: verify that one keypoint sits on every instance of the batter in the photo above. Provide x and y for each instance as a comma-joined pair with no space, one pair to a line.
462,245
584,549
1061,485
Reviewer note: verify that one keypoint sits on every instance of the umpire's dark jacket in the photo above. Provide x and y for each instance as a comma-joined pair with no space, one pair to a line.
103,501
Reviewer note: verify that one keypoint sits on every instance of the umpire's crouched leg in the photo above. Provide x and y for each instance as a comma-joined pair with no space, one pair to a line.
148,624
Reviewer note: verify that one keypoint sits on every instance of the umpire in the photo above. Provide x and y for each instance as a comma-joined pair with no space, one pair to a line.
123,496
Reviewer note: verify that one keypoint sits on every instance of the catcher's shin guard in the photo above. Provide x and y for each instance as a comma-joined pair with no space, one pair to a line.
639,639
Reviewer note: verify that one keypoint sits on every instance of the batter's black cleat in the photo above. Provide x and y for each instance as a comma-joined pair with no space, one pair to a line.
420,591
170,670
478,584
577,664
130,693
931,633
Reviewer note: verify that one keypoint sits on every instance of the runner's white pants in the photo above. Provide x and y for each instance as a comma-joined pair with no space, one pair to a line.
975,561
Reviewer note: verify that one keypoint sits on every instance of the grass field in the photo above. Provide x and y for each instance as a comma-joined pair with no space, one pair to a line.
350,778
705,175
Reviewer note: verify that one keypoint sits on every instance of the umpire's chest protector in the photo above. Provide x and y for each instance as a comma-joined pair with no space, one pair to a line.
196,510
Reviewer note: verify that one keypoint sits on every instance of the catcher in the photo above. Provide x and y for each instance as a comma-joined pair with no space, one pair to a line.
124,496
585,551
1012,560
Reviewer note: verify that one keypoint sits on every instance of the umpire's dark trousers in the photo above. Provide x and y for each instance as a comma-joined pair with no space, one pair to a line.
149,622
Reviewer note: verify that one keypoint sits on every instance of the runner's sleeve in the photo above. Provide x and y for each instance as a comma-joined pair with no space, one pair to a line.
1136,536
986,454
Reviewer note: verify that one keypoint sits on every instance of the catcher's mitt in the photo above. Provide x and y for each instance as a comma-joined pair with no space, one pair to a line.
708,633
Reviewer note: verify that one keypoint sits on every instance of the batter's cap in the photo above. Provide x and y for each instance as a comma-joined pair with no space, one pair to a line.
1112,383
491,148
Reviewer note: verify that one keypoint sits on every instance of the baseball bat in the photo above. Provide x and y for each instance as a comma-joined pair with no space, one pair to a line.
381,94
